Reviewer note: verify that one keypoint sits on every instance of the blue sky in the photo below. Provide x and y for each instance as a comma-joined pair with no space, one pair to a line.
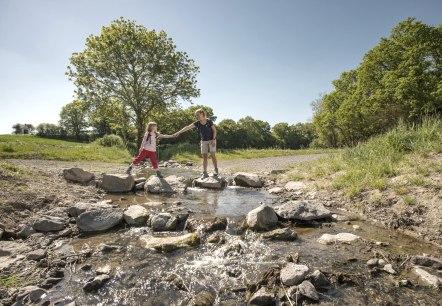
267,59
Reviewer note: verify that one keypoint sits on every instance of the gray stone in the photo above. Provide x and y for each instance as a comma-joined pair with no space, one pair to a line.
168,244
341,237
163,222
372,263
381,262
307,289
117,183
318,279
293,274
79,208
35,293
12,248
428,278
294,186
48,224
210,182
302,210
427,262
136,215
262,297
36,254
203,298
389,269
276,190
158,185
96,283
139,186
78,175
139,180
283,234
25,231
99,220
106,269
262,218
207,224
248,180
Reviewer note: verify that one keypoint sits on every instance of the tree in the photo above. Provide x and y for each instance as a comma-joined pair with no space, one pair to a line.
73,118
50,130
231,135
140,70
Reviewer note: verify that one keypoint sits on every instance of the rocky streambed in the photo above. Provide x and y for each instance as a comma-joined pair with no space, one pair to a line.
220,241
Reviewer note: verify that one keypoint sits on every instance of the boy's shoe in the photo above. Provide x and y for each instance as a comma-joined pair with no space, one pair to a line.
205,175
129,170
159,174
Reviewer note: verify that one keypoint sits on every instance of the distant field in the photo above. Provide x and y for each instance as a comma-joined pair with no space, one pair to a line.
33,147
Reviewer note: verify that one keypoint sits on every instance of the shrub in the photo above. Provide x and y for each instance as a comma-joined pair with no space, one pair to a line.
110,141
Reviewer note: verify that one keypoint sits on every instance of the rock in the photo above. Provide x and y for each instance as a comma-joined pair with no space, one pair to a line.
262,218
307,289
79,208
381,262
248,180
275,190
96,283
210,182
356,227
278,171
35,293
429,279
302,210
49,224
404,283
389,269
293,274
318,279
12,248
294,186
26,231
36,254
50,282
106,269
139,180
136,215
217,238
207,224
372,263
1,232
284,234
117,182
168,244
139,186
99,220
78,175
163,222
427,262
203,298
342,218
262,297
341,237
157,185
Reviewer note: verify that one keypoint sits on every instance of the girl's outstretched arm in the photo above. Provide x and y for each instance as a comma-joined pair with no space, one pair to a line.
166,136
185,129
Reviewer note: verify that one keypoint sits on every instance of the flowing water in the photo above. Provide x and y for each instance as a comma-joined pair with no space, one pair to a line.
142,276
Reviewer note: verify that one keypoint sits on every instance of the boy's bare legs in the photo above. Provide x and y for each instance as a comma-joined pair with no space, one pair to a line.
215,162
205,162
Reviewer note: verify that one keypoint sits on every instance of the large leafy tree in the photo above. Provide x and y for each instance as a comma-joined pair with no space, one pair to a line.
135,70
73,118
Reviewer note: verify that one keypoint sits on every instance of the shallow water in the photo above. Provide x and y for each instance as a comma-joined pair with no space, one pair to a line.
141,276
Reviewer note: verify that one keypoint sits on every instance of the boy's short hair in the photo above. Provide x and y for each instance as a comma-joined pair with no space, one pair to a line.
200,111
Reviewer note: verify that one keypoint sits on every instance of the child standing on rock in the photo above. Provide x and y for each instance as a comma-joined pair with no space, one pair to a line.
148,148
207,131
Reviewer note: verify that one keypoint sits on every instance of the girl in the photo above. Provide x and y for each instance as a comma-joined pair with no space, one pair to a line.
148,148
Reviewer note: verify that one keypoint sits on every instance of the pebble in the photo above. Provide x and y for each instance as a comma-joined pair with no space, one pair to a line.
293,274
308,290
389,269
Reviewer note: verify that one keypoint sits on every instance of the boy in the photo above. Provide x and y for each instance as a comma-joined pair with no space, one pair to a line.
207,130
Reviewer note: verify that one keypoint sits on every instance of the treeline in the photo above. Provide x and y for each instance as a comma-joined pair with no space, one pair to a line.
399,79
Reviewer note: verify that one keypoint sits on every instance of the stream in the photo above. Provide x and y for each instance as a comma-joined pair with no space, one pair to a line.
142,276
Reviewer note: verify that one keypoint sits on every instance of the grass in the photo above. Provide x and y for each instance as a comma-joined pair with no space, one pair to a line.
10,281
33,147
404,150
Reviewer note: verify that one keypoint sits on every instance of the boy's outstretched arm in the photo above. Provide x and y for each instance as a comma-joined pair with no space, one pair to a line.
185,129
166,136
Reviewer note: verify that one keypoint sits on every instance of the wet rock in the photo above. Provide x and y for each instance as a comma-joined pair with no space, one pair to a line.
33,293
78,175
318,279
233,249
342,218
158,185
217,238
99,220
87,267
203,298
341,237
428,278
25,231
139,180
96,283
163,222
302,210
36,254
12,248
210,182
207,225
372,262
106,269
117,182
78,208
136,215
427,262
139,186
262,297
275,190
293,274
50,282
307,289
49,224
389,269
106,248
284,234
248,180
294,186
262,218
168,244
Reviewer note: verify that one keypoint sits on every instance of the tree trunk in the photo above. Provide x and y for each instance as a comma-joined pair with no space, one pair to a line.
140,130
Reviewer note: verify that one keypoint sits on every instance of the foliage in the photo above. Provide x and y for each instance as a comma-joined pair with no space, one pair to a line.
400,78
73,118
126,72
17,128
110,141
50,130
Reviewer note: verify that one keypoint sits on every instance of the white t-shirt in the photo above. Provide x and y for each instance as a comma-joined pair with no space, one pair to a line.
151,143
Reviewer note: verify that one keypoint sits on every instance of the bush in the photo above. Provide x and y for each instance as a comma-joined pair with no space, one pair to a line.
110,141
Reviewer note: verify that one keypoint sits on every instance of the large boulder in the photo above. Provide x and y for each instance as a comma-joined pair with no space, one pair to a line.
136,215
341,237
262,218
117,182
49,224
178,183
248,180
210,182
302,210
79,208
78,175
99,220
293,274
168,244
163,222
262,297
158,185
